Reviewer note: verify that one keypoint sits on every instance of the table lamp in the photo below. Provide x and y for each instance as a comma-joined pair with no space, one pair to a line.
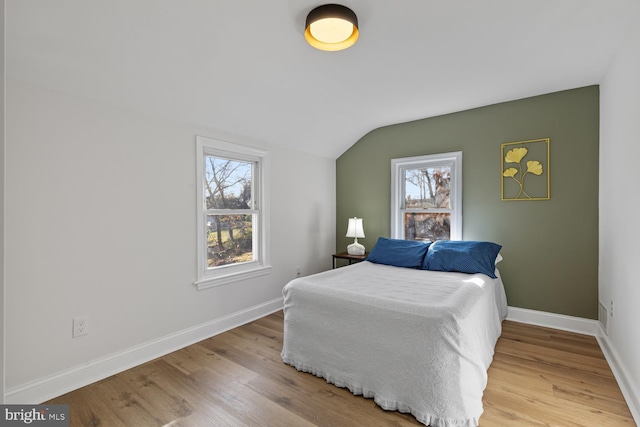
355,230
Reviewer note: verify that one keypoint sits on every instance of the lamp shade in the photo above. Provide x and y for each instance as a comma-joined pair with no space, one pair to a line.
355,228
331,27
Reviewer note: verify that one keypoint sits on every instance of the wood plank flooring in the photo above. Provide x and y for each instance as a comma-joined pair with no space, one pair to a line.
539,377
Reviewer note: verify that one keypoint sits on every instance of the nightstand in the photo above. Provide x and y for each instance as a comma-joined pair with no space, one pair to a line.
350,258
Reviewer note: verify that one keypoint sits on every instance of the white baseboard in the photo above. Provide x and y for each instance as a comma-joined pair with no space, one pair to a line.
44,389
630,392
552,320
588,327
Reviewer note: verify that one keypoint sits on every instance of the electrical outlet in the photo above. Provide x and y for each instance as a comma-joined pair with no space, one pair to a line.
611,309
80,326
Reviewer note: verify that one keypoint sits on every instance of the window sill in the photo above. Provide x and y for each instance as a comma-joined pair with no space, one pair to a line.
211,282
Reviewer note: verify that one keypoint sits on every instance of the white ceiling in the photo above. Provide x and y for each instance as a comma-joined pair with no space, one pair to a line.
243,67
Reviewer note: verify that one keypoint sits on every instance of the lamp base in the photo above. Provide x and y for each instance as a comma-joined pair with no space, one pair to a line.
355,249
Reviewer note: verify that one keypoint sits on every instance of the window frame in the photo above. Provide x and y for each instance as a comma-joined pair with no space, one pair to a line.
451,159
223,275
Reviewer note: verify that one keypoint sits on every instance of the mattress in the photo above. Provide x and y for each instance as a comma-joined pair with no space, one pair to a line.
415,341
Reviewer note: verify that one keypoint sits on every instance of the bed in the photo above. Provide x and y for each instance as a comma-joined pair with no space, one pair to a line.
414,340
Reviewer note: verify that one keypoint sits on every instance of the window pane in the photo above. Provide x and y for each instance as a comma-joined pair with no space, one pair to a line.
229,239
227,183
427,226
427,188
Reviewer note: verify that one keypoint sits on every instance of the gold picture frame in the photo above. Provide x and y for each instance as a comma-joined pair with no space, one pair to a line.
535,154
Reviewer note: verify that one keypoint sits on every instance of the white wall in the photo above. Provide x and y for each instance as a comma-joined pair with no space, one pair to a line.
619,276
2,127
101,222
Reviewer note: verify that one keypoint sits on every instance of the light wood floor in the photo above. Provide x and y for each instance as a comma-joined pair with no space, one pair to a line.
539,377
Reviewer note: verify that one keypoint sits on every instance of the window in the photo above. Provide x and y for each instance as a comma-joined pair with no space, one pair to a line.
232,212
426,197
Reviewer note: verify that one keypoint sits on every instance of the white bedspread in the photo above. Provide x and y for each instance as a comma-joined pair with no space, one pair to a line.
413,340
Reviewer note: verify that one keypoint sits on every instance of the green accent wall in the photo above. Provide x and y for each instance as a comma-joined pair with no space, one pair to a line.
550,247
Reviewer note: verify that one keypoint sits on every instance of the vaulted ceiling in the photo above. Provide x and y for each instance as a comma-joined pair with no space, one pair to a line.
243,66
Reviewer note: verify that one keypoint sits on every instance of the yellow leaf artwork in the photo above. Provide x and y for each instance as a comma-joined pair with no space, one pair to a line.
514,169
534,167
511,172
515,155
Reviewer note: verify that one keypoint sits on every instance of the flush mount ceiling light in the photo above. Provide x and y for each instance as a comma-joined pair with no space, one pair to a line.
331,27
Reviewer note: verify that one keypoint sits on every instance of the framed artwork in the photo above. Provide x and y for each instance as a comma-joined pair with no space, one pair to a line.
525,170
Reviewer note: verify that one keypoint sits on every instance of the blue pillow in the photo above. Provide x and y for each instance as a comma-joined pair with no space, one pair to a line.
399,253
462,256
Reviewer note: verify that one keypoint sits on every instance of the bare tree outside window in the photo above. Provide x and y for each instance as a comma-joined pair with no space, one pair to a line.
233,212
427,189
426,197
228,198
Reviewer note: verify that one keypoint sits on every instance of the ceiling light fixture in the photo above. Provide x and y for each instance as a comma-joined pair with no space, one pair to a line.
331,27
